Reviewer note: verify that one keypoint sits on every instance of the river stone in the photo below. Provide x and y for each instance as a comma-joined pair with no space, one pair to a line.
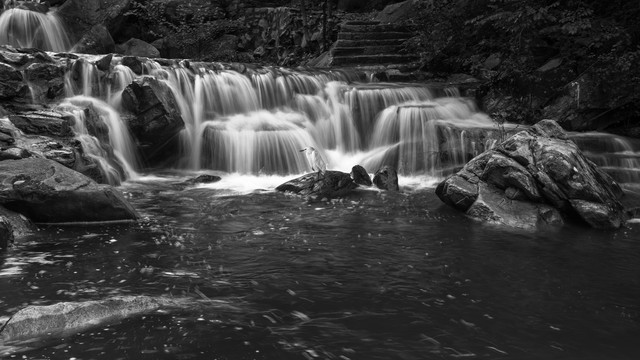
104,63
331,184
43,123
386,178
14,153
66,318
157,115
360,176
48,192
537,168
13,226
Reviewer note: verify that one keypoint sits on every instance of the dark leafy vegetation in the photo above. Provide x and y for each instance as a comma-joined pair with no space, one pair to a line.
534,50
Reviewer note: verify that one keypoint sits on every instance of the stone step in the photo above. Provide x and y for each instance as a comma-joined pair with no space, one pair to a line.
374,28
366,43
389,35
366,50
374,59
361,22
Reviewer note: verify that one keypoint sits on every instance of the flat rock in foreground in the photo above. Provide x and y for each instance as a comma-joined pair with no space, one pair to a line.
331,184
48,192
70,317
537,176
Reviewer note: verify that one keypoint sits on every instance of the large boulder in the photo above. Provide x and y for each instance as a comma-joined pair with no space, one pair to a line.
48,192
535,176
80,16
137,47
329,185
157,120
95,41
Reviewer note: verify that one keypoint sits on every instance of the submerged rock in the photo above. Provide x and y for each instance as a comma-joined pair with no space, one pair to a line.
386,178
331,184
45,191
535,176
70,317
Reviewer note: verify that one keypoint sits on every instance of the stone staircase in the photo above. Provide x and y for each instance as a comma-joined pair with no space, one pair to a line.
371,44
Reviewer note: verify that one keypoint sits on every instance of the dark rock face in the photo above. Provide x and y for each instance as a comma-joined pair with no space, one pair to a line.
70,317
331,184
133,63
203,179
535,176
46,191
43,123
80,16
386,178
137,47
11,84
157,117
96,41
360,176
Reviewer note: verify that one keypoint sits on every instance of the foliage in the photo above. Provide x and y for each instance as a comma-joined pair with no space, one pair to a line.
589,36
188,31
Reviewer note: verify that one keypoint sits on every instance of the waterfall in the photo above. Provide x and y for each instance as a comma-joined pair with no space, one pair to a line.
30,29
254,120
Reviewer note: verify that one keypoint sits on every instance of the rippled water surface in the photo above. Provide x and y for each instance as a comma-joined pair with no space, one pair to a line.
375,276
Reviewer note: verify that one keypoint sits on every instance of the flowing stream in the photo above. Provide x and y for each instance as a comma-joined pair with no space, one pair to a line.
376,275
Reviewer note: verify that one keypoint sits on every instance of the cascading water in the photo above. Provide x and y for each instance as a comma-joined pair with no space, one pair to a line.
254,121
26,29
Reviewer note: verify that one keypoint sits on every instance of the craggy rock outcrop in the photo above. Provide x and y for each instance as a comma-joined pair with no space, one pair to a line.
331,184
43,123
157,115
386,178
80,16
66,318
536,176
360,176
48,192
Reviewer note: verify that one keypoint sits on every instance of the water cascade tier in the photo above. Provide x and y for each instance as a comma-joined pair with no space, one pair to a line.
251,120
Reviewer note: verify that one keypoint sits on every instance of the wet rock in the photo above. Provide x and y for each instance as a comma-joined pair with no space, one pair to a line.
13,226
157,118
544,174
203,179
137,47
46,80
360,176
95,41
104,63
330,185
11,84
66,318
46,191
6,136
386,178
14,153
133,63
43,123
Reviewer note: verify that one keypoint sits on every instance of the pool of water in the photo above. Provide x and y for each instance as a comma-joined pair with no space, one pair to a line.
377,275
